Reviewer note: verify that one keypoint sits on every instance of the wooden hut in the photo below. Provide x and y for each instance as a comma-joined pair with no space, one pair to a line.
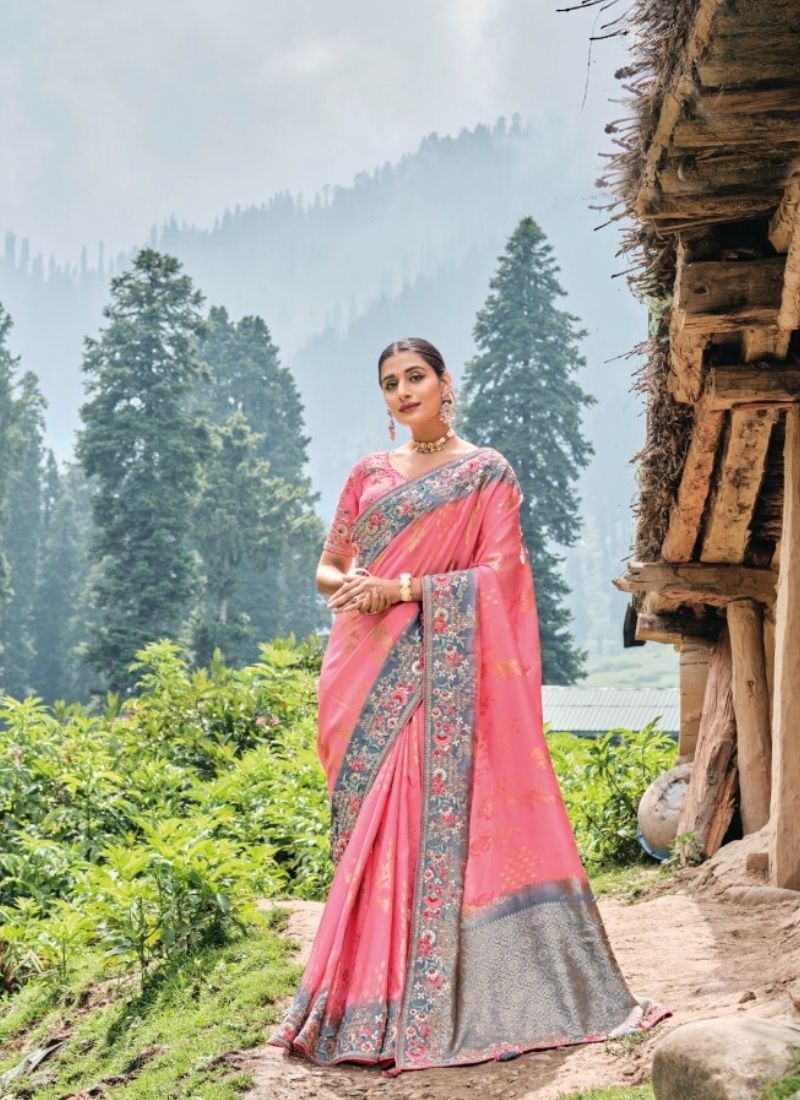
707,173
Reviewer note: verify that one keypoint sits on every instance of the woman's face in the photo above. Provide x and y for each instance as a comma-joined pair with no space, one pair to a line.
412,389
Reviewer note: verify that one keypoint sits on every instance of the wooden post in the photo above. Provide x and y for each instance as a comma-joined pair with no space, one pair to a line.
751,706
784,841
708,807
769,652
693,672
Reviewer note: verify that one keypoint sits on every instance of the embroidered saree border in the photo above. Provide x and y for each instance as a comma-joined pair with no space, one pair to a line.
392,700
449,621
387,516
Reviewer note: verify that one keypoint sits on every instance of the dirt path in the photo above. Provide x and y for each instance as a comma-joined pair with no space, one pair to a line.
715,942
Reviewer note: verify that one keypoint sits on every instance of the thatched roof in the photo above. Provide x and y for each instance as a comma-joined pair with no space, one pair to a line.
706,182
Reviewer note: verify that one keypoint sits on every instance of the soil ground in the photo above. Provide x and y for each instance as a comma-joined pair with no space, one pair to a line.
711,941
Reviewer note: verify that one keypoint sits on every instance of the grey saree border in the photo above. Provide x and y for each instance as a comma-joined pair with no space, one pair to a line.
429,1001
392,699
392,512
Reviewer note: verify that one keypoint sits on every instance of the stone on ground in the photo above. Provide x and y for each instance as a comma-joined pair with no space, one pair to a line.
730,1058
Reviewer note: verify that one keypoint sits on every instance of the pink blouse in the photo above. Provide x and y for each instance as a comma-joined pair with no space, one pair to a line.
371,477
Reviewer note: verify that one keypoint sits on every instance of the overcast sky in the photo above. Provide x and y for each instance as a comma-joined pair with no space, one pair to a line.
116,114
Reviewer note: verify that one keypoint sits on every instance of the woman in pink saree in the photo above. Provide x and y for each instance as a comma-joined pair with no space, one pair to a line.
460,924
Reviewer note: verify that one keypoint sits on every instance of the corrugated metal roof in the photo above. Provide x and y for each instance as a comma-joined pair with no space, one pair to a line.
598,709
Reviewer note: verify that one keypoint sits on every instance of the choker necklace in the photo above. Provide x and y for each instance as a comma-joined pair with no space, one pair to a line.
424,448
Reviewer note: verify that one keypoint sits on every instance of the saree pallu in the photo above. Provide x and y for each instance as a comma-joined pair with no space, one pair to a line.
460,924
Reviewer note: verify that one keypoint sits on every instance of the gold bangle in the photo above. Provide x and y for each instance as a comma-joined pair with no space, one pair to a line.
405,587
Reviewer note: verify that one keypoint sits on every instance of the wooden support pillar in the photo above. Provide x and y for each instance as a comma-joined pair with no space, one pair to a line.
784,849
708,807
693,673
751,707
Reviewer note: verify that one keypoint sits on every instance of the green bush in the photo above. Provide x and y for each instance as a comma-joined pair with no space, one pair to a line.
147,830
602,781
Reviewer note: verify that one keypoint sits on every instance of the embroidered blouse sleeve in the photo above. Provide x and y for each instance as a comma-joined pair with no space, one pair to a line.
339,536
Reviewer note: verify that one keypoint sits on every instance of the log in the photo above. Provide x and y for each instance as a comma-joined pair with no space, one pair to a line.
687,511
693,675
784,847
753,385
720,296
751,708
735,490
698,583
727,131
675,213
723,174
708,808
675,628
732,63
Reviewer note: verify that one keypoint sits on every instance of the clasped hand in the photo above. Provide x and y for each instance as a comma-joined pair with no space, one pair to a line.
361,592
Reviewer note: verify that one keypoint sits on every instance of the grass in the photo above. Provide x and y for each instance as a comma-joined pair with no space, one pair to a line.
183,1036
789,1084
626,883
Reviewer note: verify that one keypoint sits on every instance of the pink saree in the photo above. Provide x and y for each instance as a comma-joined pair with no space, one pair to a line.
460,924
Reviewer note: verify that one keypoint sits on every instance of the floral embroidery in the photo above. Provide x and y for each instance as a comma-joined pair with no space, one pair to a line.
449,611
394,696
366,1032
383,520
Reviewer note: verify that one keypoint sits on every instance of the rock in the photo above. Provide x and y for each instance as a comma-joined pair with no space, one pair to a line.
731,1058
660,806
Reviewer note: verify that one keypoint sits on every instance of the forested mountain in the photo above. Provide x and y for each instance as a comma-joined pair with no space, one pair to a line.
407,249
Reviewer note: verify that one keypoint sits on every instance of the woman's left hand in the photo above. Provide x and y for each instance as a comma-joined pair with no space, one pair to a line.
361,592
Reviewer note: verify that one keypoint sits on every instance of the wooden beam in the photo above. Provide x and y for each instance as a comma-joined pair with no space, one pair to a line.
673,213
789,314
751,707
707,808
723,174
674,628
733,63
726,131
722,296
764,342
698,583
685,381
784,849
687,511
695,654
752,385
735,490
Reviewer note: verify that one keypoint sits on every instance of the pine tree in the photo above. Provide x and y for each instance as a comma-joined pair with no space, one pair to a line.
244,517
521,397
61,610
7,368
21,539
141,445
273,585
246,377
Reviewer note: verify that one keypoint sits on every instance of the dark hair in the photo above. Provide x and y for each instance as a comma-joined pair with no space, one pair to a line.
422,348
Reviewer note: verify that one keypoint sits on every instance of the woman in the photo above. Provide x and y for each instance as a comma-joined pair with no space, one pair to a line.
460,925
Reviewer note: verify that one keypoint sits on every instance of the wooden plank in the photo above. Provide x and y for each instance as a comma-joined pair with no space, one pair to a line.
727,387
720,296
751,707
789,315
708,794
695,654
687,511
674,213
733,63
735,490
784,847
757,99
722,173
699,583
